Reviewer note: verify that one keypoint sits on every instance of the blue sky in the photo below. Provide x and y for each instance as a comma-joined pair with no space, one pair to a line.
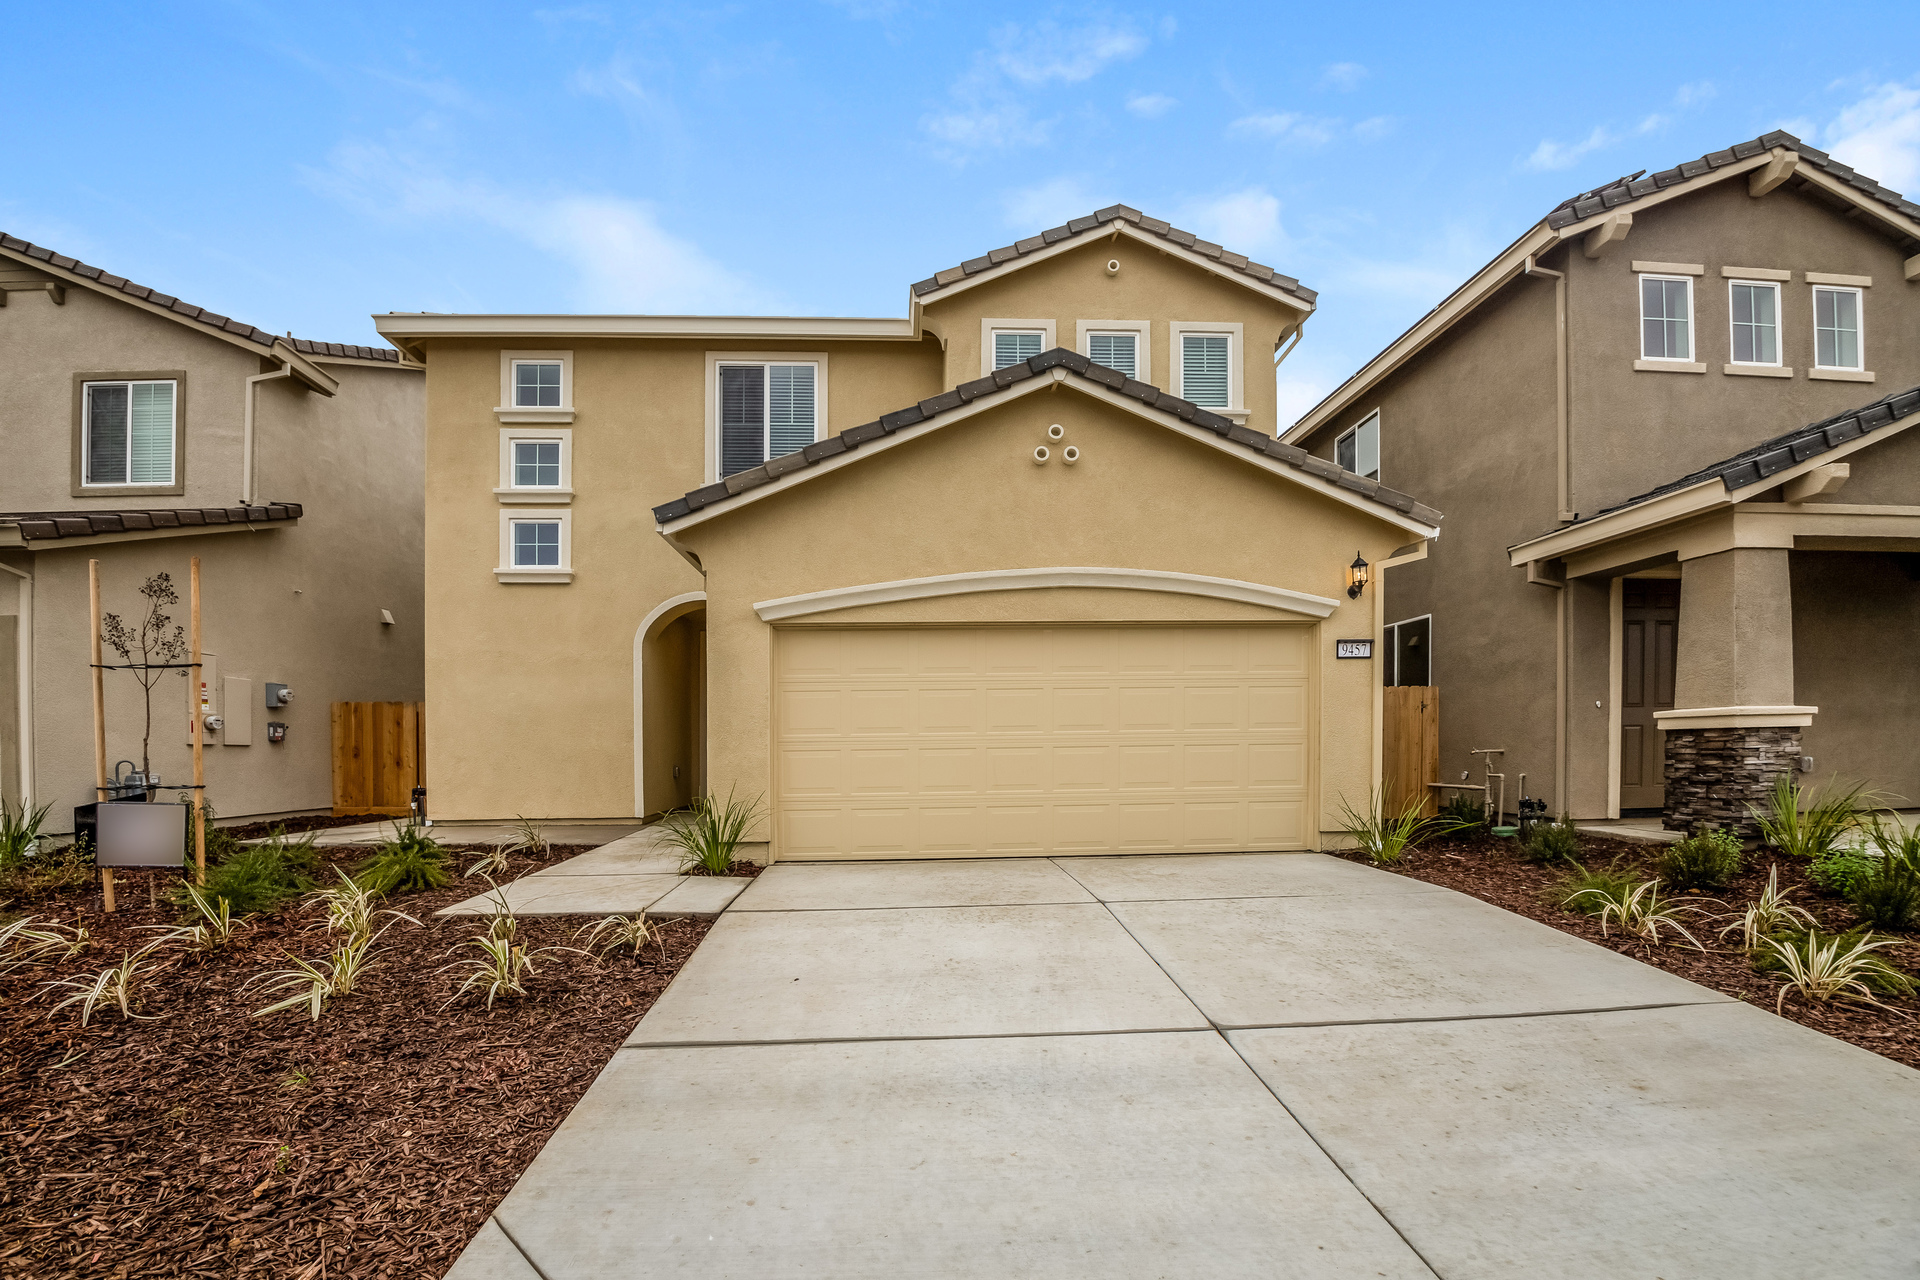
302,166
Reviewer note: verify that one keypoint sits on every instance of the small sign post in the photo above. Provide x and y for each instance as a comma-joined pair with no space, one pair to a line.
99,719
195,700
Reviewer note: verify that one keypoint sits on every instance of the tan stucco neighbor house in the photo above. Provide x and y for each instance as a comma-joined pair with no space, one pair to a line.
141,431
1669,421
1023,572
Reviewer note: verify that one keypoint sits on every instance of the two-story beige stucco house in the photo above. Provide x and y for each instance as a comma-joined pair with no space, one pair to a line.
1024,571
1669,421
142,431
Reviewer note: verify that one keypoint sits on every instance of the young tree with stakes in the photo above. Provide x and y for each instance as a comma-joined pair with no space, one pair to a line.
156,647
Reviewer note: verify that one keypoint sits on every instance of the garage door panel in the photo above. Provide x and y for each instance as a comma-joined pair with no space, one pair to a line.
1026,740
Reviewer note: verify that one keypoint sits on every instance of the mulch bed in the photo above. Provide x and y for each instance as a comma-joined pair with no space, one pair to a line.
1489,869
308,822
372,1143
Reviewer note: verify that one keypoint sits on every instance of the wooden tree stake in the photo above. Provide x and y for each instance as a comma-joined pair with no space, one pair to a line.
99,720
199,731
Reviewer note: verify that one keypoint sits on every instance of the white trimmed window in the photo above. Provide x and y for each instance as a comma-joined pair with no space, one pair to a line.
1011,346
536,384
766,411
1206,368
1753,309
1409,652
536,546
1358,448
1666,318
536,464
1117,351
129,433
1836,329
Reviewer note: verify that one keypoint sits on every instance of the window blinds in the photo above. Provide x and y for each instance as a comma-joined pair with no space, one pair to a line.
107,434
1012,348
1203,369
766,410
790,408
1114,350
130,433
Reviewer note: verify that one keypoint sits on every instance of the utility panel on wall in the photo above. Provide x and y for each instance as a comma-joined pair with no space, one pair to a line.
236,694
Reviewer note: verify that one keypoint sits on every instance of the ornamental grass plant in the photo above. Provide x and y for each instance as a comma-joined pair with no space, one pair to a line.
709,832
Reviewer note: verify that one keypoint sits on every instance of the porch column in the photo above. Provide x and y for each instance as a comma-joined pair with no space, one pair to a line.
1735,727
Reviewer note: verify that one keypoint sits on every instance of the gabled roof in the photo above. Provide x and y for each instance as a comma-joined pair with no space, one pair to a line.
1006,382
1803,168
1770,457
1099,220
104,281
35,527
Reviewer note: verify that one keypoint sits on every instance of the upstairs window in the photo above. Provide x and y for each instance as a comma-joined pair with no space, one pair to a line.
1118,351
1755,312
1836,329
129,433
536,464
1011,346
766,411
1666,318
1205,376
1358,448
536,384
536,544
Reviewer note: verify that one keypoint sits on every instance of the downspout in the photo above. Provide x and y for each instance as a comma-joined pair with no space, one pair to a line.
1564,485
246,439
23,642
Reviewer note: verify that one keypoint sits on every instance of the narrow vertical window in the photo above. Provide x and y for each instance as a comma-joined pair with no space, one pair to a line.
1755,309
1204,376
1666,318
129,433
1358,448
1013,346
1117,351
1836,328
766,411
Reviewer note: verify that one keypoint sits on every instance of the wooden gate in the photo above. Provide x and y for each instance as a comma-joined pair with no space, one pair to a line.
1411,743
379,756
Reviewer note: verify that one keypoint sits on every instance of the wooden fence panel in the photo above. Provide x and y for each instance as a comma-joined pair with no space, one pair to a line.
379,756
1411,746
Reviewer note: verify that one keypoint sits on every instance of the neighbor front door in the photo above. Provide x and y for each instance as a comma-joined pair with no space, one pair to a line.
1650,624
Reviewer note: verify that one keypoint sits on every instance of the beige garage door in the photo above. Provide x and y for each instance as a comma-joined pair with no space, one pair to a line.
971,741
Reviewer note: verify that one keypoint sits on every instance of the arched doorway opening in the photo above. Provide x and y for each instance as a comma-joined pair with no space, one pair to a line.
670,705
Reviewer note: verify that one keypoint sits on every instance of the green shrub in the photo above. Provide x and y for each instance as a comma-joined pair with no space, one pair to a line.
408,863
1707,859
1887,894
1841,871
1590,891
1810,823
1463,813
708,832
255,878
19,832
1552,842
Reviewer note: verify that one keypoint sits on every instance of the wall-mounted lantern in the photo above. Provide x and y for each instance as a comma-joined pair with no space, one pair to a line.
1356,576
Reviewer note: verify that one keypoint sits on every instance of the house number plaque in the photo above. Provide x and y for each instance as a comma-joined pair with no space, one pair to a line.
1353,648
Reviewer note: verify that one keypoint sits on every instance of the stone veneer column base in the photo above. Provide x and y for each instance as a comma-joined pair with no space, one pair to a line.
1714,776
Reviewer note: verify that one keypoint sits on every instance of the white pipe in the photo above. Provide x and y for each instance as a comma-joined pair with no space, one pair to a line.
24,662
246,439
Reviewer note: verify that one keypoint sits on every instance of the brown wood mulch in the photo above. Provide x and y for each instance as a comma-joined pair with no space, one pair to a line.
373,1143
1490,869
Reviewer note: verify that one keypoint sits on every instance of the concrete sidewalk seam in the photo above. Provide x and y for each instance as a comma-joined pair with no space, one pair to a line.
1473,1017
517,1247
979,1035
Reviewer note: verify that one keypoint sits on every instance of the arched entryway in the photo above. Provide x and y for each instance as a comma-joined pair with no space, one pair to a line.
669,704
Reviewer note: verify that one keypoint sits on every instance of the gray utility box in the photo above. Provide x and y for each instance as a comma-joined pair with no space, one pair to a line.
134,833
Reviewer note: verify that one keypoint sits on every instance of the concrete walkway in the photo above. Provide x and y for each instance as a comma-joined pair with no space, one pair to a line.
636,873
1277,1065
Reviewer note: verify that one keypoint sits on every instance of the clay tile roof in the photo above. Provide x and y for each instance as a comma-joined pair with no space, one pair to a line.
999,380
45,257
1635,185
48,526
1094,222
1770,457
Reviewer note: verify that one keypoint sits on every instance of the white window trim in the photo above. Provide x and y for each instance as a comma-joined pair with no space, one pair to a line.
1389,637
818,359
1640,322
86,434
1142,345
508,491
562,572
992,326
1779,327
1354,430
506,411
1860,311
1236,362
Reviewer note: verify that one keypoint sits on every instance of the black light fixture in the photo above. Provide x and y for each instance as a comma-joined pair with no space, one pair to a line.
1356,576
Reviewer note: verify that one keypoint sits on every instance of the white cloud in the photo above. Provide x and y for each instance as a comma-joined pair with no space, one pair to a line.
1652,122
621,257
1880,136
1564,155
1286,126
1374,127
1245,221
1151,105
1047,52
1296,393
1344,75
1003,125
1698,91
1032,209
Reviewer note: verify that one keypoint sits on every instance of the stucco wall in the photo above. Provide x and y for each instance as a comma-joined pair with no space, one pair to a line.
530,687
1856,644
968,497
1150,286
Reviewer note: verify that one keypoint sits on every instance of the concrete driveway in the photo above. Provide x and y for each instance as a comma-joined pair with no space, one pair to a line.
1276,1065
